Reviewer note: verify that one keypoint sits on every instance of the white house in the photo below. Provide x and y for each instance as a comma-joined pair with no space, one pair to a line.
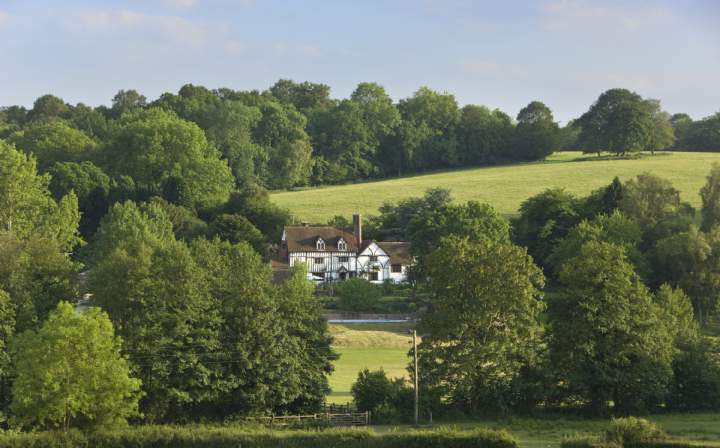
333,254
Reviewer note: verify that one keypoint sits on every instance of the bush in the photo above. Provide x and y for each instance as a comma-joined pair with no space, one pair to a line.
358,294
233,437
631,430
388,399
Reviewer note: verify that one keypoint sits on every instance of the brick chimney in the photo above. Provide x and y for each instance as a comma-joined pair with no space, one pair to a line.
357,228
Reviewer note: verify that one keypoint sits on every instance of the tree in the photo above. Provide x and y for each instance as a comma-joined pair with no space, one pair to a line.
302,311
482,323
681,124
307,97
536,134
544,220
710,195
91,185
484,136
393,223
615,228
377,110
342,137
154,292
358,294
691,260
53,141
429,132
704,135
237,228
127,101
47,107
662,134
153,145
606,337
281,134
70,373
261,366
387,399
655,204
620,121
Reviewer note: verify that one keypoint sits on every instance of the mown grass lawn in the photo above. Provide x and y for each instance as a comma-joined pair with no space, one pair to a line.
504,187
372,346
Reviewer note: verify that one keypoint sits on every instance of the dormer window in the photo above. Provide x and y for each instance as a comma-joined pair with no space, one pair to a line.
320,244
342,245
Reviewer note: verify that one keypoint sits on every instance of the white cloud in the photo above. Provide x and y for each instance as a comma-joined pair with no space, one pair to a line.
175,29
4,18
180,4
585,16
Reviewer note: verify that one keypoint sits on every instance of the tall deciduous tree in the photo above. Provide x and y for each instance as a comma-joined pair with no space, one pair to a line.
536,133
484,136
153,290
70,373
483,321
153,145
620,121
607,340
53,141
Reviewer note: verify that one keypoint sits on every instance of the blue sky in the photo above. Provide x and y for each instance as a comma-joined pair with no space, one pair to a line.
501,54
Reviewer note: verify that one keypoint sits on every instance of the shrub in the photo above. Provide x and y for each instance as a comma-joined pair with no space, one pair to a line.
696,379
387,399
358,294
632,430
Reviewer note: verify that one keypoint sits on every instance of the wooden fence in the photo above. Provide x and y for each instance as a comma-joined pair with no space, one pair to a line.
333,419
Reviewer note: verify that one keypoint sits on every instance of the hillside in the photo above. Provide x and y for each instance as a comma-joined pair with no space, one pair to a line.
504,187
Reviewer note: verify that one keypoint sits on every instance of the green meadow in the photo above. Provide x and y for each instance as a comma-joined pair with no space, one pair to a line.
372,346
504,187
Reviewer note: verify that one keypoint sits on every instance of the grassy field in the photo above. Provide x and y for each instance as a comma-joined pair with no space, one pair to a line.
372,346
504,187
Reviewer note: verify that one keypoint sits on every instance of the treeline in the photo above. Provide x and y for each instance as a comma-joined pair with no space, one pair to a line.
594,304
211,154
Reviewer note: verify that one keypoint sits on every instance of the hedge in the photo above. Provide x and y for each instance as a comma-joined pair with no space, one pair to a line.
234,437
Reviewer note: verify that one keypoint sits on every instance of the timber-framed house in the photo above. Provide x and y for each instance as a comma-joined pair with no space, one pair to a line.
337,254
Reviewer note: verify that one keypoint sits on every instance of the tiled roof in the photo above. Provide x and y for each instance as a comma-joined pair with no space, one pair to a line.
303,238
399,252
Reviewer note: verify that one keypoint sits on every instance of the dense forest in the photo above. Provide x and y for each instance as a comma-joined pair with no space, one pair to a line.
214,152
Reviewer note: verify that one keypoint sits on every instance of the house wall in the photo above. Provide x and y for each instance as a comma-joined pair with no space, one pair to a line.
331,264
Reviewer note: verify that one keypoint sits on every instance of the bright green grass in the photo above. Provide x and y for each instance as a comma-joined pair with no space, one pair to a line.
504,187
372,346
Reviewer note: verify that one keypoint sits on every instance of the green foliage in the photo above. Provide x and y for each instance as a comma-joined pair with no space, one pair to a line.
237,228
620,121
154,292
696,378
27,208
710,195
544,220
701,135
234,436
358,294
153,145
536,135
655,205
70,373
632,430
387,399
90,184
483,323
484,136
606,337
53,141
615,228
47,107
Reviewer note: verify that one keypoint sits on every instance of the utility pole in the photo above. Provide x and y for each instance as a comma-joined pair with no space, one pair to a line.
415,359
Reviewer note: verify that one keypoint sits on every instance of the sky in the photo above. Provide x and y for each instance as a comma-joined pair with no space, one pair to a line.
501,54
